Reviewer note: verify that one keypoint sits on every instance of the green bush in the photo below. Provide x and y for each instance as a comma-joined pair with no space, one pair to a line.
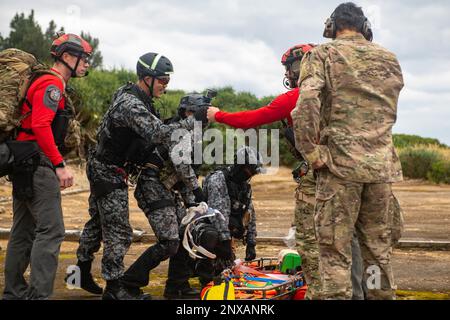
406,140
93,94
417,161
421,158
440,172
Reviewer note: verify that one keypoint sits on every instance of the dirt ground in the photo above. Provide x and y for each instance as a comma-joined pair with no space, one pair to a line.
418,274
426,206
427,217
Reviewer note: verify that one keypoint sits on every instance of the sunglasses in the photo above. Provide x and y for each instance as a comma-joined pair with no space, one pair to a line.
85,58
163,79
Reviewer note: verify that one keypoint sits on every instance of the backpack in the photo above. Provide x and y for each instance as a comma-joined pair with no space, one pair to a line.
18,70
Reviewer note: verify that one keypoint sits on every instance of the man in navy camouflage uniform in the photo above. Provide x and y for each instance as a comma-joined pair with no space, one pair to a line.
228,190
130,122
180,269
163,211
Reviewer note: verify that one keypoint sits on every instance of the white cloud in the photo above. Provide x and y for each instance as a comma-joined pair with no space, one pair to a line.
239,43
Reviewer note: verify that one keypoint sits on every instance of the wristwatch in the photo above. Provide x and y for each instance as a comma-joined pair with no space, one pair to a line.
62,164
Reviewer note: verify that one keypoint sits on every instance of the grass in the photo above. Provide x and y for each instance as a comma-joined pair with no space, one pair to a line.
421,295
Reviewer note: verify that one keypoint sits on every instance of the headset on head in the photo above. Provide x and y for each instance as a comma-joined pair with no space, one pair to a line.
331,29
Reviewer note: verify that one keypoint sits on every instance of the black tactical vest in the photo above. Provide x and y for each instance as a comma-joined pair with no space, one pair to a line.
117,145
240,197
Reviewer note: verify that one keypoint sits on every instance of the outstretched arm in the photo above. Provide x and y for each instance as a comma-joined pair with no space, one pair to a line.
279,109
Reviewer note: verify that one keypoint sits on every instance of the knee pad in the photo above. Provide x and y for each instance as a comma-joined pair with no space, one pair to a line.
163,203
169,247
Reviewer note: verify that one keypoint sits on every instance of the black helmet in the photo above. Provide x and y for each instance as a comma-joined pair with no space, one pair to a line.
153,65
249,157
192,102
247,163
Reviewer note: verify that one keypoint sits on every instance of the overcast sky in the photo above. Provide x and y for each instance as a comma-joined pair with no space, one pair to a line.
240,43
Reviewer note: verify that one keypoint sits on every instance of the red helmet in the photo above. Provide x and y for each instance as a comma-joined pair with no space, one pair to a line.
295,53
70,43
291,60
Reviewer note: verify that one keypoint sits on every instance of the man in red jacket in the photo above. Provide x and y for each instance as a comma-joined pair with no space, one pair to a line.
38,227
280,108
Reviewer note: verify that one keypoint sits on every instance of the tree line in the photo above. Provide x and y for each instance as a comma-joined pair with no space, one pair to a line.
423,158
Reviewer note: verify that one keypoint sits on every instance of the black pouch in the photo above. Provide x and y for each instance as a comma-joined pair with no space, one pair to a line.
236,226
26,160
6,160
60,124
102,188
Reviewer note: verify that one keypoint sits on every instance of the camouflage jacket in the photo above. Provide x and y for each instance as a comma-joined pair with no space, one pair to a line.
179,168
344,116
216,191
130,112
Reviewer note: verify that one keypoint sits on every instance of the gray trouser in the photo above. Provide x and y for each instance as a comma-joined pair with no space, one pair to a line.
35,240
359,287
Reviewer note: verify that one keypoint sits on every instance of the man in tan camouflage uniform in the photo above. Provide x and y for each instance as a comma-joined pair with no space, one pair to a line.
343,123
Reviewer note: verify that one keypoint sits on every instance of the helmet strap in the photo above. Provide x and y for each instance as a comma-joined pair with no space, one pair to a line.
73,71
150,87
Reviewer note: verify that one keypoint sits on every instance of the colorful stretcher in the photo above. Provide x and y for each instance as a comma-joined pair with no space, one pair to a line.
261,280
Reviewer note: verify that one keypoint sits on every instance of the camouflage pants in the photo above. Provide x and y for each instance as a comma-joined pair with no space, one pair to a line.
158,204
342,208
306,239
308,247
91,236
109,222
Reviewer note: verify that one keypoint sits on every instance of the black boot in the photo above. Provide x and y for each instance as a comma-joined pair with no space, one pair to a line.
138,292
86,281
184,292
115,290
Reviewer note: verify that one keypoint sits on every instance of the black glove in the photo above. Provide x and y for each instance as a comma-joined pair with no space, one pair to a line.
300,170
224,250
198,194
250,252
200,115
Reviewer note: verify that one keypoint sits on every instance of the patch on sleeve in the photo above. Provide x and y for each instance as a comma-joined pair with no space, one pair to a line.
306,69
52,97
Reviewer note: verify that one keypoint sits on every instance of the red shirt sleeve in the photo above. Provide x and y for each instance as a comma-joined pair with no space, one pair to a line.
45,100
280,108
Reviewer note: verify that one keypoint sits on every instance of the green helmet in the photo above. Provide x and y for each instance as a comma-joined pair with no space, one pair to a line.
153,65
